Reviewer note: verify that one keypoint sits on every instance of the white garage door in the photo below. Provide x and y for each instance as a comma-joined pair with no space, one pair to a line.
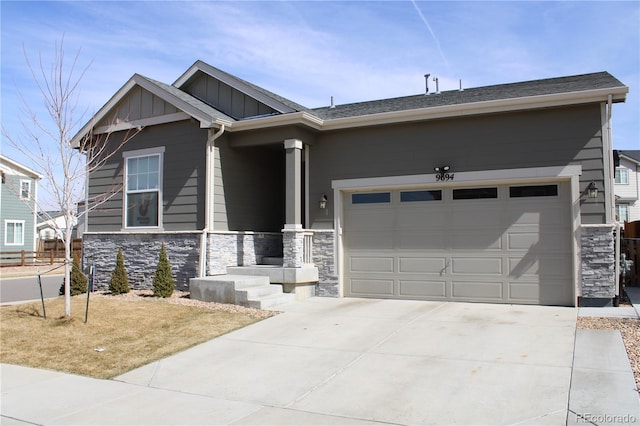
499,244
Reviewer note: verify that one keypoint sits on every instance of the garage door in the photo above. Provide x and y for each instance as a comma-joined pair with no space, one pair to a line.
498,244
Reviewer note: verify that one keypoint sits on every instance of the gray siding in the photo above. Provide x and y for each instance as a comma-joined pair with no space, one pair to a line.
249,188
183,178
139,104
546,137
13,208
225,98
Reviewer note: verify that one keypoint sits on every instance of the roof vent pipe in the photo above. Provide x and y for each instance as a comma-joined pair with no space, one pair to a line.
332,104
437,85
426,82
461,89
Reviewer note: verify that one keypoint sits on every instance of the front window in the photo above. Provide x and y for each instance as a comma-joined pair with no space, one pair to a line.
14,232
622,176
622,211
25,189
143,191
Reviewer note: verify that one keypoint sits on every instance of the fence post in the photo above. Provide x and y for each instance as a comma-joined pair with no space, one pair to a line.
50,257
22,258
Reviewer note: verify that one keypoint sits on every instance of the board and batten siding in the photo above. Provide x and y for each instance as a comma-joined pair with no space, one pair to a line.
183,174
537,138
225,98
15,209
139,104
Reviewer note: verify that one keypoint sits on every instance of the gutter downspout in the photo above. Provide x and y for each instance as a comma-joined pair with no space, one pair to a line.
208,197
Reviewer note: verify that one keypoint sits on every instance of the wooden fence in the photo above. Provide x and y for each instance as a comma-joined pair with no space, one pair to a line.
48,253
630,246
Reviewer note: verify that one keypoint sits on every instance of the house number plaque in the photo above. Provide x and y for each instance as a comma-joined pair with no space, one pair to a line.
442,177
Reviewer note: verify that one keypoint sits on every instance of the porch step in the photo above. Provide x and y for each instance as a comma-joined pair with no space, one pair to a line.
244,290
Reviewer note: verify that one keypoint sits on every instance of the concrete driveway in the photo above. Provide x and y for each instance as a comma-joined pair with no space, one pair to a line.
353,361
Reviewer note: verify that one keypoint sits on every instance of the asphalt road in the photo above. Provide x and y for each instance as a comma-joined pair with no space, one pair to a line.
26,288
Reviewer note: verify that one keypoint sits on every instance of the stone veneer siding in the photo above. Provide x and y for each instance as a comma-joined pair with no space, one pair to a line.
141,253
324,259
240,249
598,262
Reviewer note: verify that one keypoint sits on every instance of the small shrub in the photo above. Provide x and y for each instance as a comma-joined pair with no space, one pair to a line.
163,282
78,279
119,283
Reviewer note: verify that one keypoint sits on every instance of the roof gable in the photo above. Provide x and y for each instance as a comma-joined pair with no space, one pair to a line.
210,84
632,155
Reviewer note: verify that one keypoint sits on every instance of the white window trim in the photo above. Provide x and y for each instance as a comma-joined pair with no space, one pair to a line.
623,206
28,182
159,151
620,169
6,227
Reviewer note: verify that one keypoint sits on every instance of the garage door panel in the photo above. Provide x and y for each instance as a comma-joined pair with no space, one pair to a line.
371,287
477,290
540,267
426,217
476,239
363,219
537,241
379,240
516,248
424,265
477,266
371,264
549,293
421,239
422,288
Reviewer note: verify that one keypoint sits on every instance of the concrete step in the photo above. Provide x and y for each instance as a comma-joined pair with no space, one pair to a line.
245,290
272,300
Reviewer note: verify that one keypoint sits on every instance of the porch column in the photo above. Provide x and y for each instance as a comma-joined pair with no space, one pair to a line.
293,185
292,233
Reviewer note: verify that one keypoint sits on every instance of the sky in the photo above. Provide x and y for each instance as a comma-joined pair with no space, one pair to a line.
309,51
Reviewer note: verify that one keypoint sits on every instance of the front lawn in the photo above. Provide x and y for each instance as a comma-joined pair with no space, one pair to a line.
122,332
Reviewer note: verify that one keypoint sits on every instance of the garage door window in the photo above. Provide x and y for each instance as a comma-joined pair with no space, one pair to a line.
475,193
533,191
371,198
411,196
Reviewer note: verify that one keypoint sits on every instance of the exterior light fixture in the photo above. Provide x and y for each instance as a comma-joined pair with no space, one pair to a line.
592,190
323,202
442,173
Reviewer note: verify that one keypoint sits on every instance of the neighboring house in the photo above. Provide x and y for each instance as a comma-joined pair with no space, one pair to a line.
626,186
474,195
18,206
51,225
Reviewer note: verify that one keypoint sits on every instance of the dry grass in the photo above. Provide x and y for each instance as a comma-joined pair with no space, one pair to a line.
131,334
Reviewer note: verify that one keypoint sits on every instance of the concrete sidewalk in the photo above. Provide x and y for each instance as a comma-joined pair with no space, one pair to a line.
356,361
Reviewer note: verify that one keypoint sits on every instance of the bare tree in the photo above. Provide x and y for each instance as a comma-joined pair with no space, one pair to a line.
48,144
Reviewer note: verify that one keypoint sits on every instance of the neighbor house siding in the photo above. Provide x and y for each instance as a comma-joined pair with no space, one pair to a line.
539,138
183,185
15,209
224,98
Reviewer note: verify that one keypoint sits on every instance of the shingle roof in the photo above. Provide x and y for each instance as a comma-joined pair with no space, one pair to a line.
577,83
635,154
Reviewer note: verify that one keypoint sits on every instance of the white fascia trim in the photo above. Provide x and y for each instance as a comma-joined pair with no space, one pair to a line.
502,105
485,176
278,120
233,82
138,80
128,125
15,167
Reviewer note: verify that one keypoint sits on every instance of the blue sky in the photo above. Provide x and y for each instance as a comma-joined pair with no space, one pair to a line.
308,51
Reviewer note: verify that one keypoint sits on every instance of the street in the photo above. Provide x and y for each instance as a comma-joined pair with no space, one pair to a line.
26,288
